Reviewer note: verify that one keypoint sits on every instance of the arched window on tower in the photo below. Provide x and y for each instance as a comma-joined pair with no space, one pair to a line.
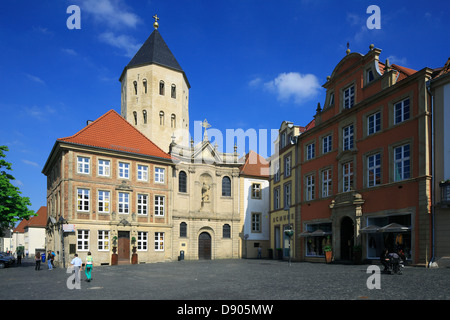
173,121
226,187
226,231
161,88
183,230
144,83
135,117
182,182
173,91
144,114
135,87
161,118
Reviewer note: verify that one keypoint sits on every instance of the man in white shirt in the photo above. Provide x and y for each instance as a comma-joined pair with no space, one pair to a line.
76,262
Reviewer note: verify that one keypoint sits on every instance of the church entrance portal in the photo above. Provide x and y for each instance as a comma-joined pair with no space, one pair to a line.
204,246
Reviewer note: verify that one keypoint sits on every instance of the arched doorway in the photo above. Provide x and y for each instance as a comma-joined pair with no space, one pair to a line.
204,246
347,235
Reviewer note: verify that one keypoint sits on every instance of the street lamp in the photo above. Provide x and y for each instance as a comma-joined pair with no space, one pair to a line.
289,231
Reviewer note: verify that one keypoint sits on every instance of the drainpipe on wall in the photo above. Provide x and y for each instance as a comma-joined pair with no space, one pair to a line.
432,177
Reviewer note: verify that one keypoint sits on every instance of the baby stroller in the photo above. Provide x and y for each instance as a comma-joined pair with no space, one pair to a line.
394,263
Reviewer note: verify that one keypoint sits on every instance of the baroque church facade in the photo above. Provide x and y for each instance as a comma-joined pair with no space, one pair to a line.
135,186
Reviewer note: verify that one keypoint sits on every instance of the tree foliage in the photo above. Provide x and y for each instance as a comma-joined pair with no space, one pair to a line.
13,207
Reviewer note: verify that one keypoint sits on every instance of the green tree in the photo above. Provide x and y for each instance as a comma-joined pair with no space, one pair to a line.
13,207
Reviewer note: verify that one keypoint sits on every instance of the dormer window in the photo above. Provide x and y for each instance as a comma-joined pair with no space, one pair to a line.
349,97
369,76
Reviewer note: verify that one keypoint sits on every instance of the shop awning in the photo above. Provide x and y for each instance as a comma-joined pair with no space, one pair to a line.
317,233
394,227
370,229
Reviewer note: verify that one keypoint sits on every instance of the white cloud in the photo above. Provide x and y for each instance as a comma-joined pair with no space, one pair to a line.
255,82
69,51
35,79
113,13
401,61
31,163
294,85
124,42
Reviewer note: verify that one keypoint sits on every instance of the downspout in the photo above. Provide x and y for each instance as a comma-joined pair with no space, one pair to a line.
432,177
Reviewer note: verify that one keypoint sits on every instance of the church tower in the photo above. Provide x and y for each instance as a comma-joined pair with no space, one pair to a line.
155,93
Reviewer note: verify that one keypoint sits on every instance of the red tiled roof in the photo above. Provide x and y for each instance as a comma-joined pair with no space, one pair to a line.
442,70
403,71
112,131
39,220
255,165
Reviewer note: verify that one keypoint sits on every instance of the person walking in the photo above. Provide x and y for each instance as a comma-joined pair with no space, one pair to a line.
88,266
76,262
49,260
37,259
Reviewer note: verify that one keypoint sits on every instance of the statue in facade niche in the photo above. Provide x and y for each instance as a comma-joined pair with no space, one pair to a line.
205,193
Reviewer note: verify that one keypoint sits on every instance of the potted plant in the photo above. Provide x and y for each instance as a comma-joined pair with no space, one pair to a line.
328,253
134,256
114,256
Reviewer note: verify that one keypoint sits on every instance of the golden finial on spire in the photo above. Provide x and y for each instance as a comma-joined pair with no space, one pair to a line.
156,24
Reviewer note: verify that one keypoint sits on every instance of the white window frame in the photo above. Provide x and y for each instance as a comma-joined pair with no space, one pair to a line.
104,168
103,240
82,240
160,174
83,201
348,142
104,198
373,170
83,165
402,162
287,166
349,97
123,203
142,241
123,170
142,206
326,183
142,172
311,151
310,187
256,190
327,144
159,241
159,205
374,123
404,111
347,176
287,195
256,222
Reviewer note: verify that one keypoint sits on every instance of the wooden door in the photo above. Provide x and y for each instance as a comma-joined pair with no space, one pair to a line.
124,245
204,246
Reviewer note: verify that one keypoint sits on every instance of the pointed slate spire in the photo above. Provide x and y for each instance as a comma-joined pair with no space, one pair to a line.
155,51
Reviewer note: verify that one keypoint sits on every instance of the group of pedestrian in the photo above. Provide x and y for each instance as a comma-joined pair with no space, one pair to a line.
77,264
50,260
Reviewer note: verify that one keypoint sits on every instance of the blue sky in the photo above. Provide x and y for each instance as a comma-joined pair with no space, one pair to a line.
251,64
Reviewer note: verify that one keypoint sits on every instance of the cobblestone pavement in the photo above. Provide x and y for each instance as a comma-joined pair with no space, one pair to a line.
225,280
